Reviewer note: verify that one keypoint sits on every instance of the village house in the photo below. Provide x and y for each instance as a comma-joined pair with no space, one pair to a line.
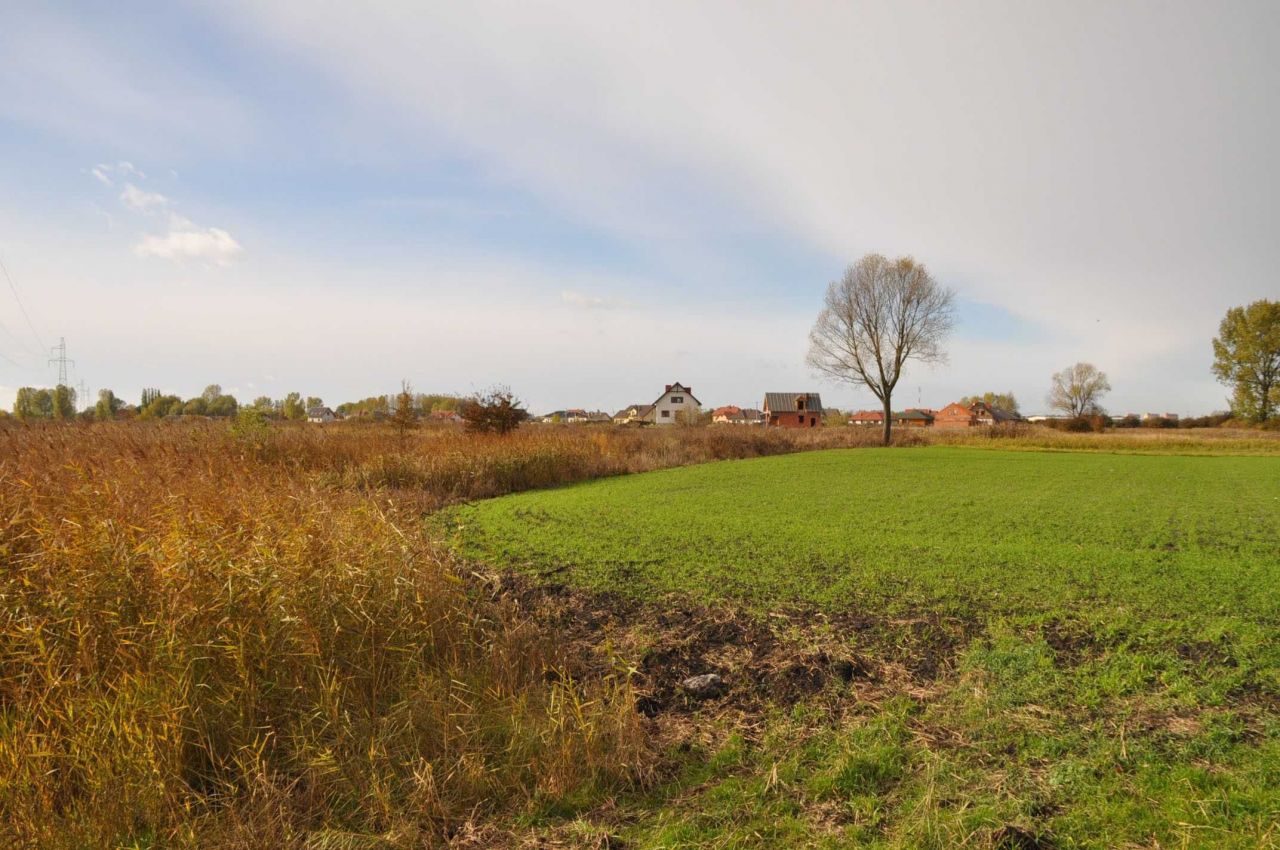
320,414
734,415
793,410
632,413
445,417
978,414
676,404
866,417
913,418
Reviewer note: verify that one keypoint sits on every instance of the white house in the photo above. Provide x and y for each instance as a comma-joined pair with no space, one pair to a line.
676,404
320,414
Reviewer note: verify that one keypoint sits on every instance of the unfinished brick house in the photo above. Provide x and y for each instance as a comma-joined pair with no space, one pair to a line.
793,410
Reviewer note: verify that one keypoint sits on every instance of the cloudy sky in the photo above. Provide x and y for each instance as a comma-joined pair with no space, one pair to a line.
586,201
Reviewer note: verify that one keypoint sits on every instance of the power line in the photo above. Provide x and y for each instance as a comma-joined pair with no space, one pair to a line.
21,306
59,355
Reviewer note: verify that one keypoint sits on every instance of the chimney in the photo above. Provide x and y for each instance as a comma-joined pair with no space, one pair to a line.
668,389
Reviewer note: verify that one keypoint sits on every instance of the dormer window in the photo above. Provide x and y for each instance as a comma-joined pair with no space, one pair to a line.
799,404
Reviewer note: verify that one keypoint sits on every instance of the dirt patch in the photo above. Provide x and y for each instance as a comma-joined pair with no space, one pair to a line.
1011,837
767,661
1072,643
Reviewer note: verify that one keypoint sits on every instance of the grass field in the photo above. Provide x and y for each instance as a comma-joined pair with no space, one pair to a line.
1112,653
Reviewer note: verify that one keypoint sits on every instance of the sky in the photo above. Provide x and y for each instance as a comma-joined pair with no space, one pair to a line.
588,201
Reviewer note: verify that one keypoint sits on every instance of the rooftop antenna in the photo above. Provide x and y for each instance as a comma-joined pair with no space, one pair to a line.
58,354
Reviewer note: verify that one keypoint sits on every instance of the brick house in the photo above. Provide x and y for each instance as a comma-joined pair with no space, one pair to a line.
793,410
978,414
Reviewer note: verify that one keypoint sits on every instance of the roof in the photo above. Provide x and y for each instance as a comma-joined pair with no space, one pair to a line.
727,410
877,415
640,409
914,415
779,402
679,388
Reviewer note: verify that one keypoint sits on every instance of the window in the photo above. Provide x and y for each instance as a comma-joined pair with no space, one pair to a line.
677,399
666,414
799,404
801,418
813,420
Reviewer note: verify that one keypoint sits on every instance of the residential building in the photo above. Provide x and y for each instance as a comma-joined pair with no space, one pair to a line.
978,414
866,417
793,410
632,413
445,417
320,414
676,404
913,418
734,415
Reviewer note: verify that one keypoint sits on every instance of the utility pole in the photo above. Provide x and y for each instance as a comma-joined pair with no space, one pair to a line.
58,354
82,394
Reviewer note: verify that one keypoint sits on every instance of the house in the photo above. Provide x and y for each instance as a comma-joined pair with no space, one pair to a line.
793,410
320,414
676,404
445,417
866,417
913,418
734,415
978,414
632,413
596,417
1148,418
571,416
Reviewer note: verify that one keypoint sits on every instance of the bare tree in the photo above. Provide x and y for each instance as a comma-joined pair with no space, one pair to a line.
881,314
1077,390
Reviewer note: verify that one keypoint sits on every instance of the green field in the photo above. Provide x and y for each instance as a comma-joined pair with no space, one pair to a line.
1155,721
963,529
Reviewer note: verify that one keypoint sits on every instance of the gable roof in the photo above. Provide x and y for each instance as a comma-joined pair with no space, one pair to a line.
678,388
786,402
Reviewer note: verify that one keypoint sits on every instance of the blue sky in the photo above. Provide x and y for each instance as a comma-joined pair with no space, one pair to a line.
588,201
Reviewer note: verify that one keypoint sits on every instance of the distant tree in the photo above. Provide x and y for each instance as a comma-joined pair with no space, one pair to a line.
222,406
64,402
314,401
293,408
405,417
211,393
1077,391
149,395
1246,357
33,403
195,407
161,406
880,315
107,407
264,405
497,411
1001,401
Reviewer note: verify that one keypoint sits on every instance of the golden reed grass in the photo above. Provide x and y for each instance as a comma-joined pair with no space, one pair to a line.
244,640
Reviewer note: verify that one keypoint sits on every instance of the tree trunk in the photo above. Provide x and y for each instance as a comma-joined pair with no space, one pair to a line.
888,419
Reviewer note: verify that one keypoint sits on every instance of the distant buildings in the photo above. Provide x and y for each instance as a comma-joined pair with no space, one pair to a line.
734,415
793,410
320,414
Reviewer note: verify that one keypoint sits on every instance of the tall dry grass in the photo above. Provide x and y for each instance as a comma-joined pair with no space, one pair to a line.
204,643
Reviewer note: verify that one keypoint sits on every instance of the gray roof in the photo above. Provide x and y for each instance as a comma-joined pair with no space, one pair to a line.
786,402
640,409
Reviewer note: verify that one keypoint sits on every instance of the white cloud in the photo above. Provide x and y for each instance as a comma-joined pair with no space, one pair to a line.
186,241
590,302
140,200
106,173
